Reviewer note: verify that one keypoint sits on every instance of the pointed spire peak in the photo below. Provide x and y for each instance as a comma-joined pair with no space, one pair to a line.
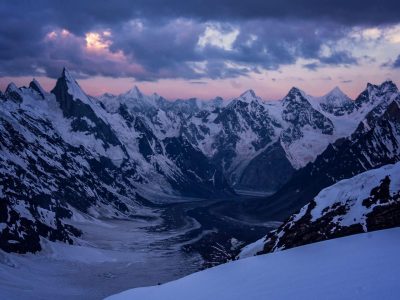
35,82
249,93
67,84
67,76
336,92
295,95
248,96
295,90
134,92
35,85
65,73
13,92
11,88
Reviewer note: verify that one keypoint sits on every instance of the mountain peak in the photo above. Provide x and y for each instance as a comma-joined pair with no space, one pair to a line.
295,90
35,85
248,93
336,102
72,87
13,92
294,95
388,86
134,93
336,93
67,90
248,96
67,74
11,87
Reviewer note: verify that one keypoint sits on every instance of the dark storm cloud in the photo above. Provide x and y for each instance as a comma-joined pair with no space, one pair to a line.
271,34
77,14
170,50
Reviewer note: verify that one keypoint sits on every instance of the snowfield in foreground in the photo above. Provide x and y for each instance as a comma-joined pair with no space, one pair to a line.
363,266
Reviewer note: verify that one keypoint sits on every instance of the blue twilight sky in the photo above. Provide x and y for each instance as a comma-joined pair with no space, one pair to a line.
202,48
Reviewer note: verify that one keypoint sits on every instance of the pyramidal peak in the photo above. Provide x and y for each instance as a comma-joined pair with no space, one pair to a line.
294,95
13,92
66,84
296,91
388,85
134,93
70,80
36,86
11,87
66,74
336,93
249,96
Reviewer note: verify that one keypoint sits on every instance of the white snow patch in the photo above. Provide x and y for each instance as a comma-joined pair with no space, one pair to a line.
364,266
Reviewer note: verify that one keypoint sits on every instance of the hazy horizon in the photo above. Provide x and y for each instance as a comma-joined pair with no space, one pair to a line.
48,85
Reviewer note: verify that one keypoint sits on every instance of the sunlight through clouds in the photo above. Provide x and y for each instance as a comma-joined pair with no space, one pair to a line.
215,36
97,41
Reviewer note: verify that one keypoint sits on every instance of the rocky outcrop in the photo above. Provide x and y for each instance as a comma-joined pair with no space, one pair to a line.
367,202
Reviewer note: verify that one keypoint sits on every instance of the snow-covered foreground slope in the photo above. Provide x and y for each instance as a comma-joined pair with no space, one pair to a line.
366,202
364,266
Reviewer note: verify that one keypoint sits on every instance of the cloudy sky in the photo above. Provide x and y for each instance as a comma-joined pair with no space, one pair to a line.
202,48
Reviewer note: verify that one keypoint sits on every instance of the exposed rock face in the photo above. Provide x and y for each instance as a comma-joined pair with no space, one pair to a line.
239,136
270,169
345,214
77,106
367,202
62,153
299,112
375,142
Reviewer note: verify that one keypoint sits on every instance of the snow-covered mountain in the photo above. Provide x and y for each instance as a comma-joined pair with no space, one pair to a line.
366,202
374,142
66,151
363,266
336,102
257,144
63,152
308,127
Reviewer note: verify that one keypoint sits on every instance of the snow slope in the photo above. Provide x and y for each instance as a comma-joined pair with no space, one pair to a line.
367,202
364,266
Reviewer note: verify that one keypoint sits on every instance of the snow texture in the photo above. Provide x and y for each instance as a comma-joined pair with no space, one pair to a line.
364,266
